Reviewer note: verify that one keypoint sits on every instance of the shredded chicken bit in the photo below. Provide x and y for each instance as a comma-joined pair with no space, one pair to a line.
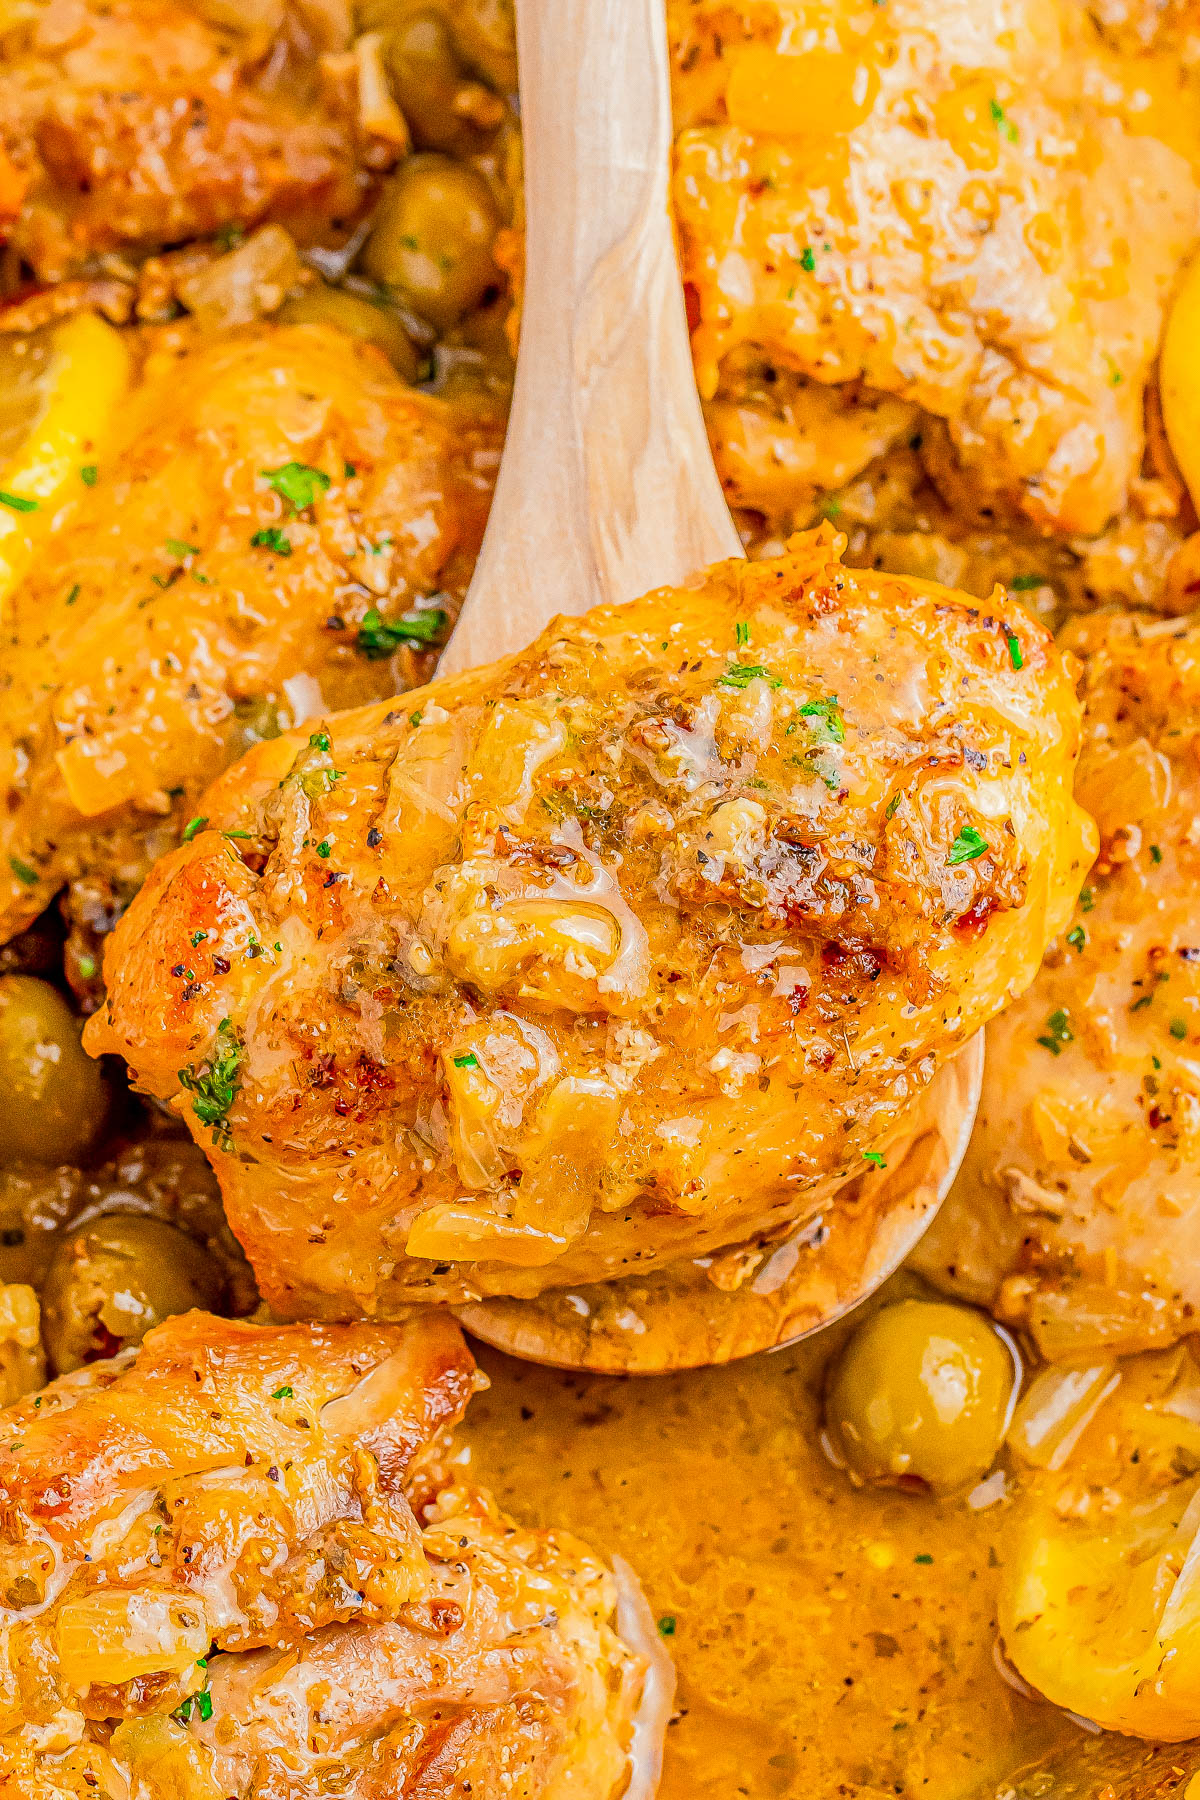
230,1565
614,951
280,504
1076,1212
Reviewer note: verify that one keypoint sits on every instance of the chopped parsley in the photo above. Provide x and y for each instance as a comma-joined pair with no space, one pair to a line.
1178,1029
824,720
319,741
1155,854
1058,1031
742,630
874,1158
283,1393
18,502
891,807
198,937
324,847
23,872
1022,584
200,1703
1002,122
378,637
740,675
1087,899
178,548
666,1625
297,483
469,1061
923,1557
808,259
193,828
271,538
213,1084
967,846
1014,652
74,594
89,474
1077,937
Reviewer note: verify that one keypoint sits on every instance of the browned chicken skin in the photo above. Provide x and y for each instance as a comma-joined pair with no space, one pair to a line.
191,607
232,1564
619,950
140,123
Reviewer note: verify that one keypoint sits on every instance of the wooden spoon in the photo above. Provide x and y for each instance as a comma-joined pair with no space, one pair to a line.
607,490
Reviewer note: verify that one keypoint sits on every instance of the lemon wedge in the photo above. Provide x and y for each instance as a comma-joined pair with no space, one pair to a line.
1179,378
58,419
1102,1616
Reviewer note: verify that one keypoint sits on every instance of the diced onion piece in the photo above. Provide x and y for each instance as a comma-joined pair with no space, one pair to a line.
378,114
637,1628
456,1231
118,1634
1056,1410
249,282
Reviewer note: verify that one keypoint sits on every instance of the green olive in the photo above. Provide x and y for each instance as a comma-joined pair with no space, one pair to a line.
358,318
921,1394
426,77
53,1097
432,238
111,1280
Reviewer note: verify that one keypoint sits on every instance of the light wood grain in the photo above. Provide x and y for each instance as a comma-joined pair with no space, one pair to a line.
607,488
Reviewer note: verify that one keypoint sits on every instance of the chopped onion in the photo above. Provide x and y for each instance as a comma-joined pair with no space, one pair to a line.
1056,1409
378,114
637,1628
247,283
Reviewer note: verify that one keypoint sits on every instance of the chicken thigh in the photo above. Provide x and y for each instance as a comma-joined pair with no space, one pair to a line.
618,950
254,550
231,1565
1077,1210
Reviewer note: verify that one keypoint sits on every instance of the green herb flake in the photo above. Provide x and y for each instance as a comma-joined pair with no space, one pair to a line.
213,1083
414,719
1024,584
324,847
967,846
740,675
742,630
891,807
319,741
874,1158
1014,652
178,548
283,1393
271,538
825,723
666,1625
1178,1029
86,966
378,637
199,937
200,1703
193,828
297,483
1002,122
74,594
1077,937
1156,854
469,1061
1087,899
89,474
18,502
923,1557
23,872
808,259
349,471
1143,1000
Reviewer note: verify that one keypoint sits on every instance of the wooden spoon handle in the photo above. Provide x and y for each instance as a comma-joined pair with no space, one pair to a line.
607,487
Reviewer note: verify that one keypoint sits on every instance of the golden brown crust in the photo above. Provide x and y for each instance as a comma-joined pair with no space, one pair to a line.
665,915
